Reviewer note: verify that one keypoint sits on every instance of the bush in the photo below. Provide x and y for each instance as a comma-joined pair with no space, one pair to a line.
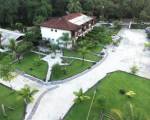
148,35
130,94
122,91
56,69
117,24
134,69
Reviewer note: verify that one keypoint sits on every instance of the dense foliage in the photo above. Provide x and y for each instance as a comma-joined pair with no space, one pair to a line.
31,12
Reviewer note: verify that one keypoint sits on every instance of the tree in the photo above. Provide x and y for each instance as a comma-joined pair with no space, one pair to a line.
80,97
19,48
65,39
22,48
6,73
24,11
13,47
19,26
0,39
27,94
74,6
59,7
33,35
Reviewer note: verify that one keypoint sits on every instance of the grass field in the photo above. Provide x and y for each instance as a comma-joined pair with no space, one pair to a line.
74,68
28,65
108,89
90,54
9,99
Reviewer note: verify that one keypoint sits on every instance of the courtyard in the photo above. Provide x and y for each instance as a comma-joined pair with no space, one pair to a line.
129,52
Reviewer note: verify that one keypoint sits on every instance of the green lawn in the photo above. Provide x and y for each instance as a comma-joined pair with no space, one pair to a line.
108,89
9,99
89,55
28,65
76,67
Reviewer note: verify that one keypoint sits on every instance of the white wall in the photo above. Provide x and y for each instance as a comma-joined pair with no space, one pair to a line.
53,36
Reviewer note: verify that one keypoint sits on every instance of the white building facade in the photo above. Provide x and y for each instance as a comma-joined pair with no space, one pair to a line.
75,24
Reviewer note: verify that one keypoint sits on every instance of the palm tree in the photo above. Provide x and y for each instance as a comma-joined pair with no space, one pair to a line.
74,6
65,38
13,47
27,94
6,73
83,51
0,39
80,97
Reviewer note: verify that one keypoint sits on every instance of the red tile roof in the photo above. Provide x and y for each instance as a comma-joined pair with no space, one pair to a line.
62,22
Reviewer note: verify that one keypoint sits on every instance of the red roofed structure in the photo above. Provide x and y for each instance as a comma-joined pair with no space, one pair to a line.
75,24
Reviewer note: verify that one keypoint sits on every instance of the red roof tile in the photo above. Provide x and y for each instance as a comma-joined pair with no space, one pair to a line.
62,22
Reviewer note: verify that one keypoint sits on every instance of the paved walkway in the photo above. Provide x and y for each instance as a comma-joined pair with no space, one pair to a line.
56,103
77,58
52,61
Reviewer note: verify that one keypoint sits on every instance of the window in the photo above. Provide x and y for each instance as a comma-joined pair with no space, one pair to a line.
51,29
55,30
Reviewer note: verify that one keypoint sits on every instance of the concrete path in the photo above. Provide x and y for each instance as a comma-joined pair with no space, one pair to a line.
56,103
52,61
77,58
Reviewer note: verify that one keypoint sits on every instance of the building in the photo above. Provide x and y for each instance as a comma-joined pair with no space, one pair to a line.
7,35
75,24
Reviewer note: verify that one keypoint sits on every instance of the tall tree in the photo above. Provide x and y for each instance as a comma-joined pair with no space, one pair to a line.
74,6
27,94
0,39
13,47
65,39
6,73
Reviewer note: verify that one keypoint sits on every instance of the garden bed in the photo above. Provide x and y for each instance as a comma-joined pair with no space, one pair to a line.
108,97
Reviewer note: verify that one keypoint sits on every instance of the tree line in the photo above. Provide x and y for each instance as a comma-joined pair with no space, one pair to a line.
30,12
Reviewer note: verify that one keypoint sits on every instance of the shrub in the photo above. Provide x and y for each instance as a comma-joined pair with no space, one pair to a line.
134,69
122,91
56,69
147,45
117,24
130,94
148,35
